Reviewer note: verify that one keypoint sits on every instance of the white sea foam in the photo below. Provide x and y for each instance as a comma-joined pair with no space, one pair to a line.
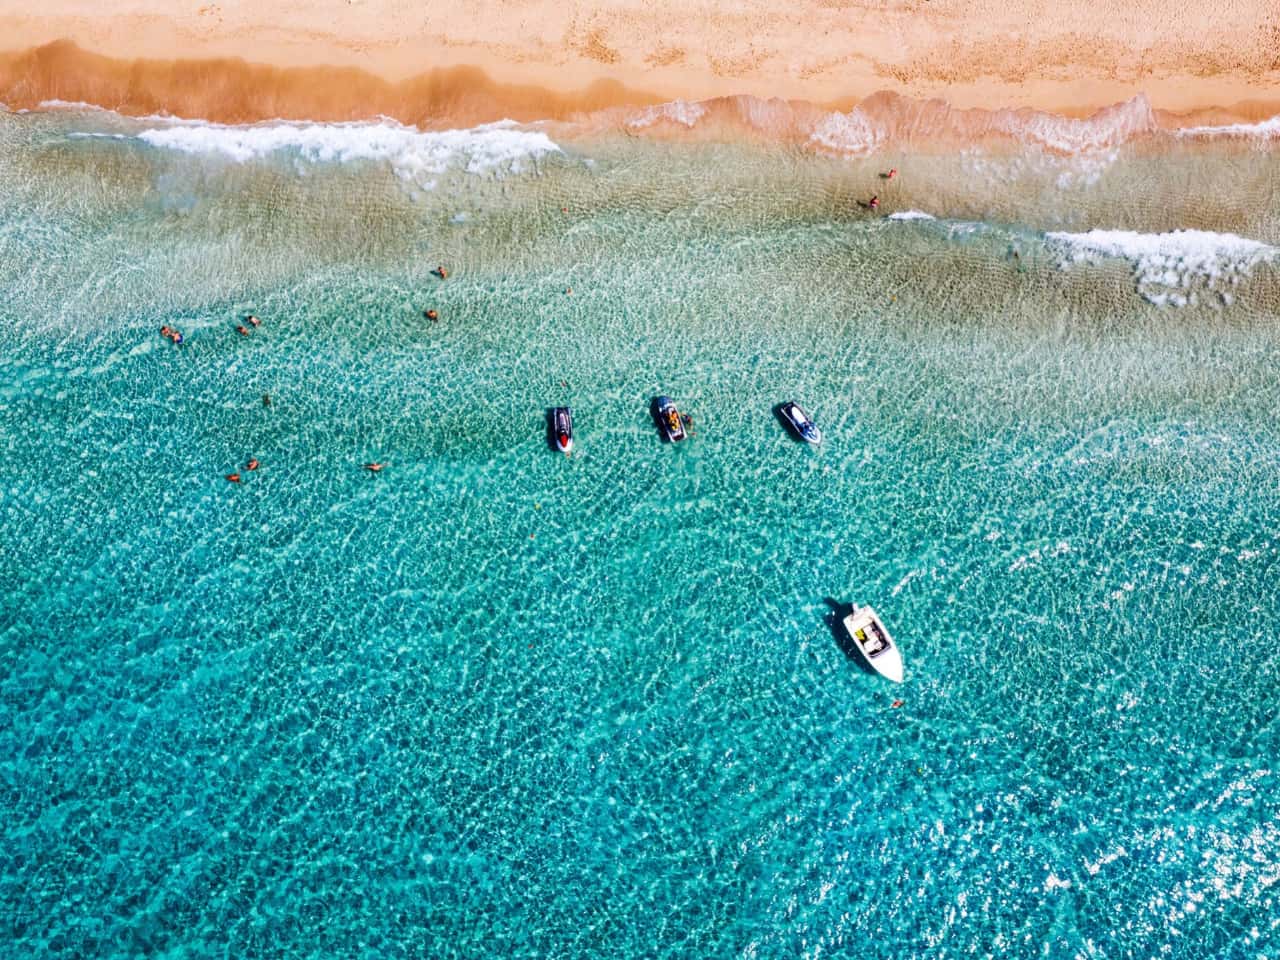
1103,130
769,115
683,112
1170,268
77,105
883,117
911,215
415,155
853,134
1263,130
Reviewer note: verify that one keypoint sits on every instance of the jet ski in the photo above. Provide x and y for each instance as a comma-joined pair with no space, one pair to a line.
800,423
560,428
670,423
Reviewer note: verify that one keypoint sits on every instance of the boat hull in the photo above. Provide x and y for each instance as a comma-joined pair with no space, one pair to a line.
798,422
873,643
560,429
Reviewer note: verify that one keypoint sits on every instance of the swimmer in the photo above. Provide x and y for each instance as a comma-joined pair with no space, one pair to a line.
233,477
433,315
177,338
373,467
568,289
166,331
254,320
252,464
442,273
892,173
266,399
242,330
875,202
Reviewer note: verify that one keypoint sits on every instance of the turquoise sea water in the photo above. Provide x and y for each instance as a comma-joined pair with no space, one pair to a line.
495,701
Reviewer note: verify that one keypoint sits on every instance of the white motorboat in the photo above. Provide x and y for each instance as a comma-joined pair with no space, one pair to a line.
869,635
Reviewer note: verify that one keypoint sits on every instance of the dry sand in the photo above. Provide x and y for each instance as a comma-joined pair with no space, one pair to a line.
550,58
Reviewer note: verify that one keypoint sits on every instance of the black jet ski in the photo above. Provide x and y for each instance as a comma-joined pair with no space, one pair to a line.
800,423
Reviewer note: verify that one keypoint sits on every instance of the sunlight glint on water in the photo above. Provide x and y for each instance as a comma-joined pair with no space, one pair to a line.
493,701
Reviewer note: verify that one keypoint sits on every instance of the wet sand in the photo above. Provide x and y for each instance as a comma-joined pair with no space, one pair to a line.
234,91
534,58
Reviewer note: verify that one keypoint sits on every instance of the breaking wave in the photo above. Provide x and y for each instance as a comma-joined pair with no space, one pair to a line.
886,117
1263,130
1171,269
684,112
415,155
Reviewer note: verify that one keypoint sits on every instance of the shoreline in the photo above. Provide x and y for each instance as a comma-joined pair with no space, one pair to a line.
235,91
234,61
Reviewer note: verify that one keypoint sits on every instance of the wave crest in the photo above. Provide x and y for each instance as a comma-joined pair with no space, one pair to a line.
1262,130
852,134
1170,268
684,112
886,117
412,153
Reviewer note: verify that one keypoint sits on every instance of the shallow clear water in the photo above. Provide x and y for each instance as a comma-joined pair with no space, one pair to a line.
496,701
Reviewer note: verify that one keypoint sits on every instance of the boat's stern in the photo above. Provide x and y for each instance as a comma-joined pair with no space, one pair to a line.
871,637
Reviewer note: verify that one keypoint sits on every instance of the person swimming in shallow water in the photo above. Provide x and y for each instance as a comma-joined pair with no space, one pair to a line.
373,467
